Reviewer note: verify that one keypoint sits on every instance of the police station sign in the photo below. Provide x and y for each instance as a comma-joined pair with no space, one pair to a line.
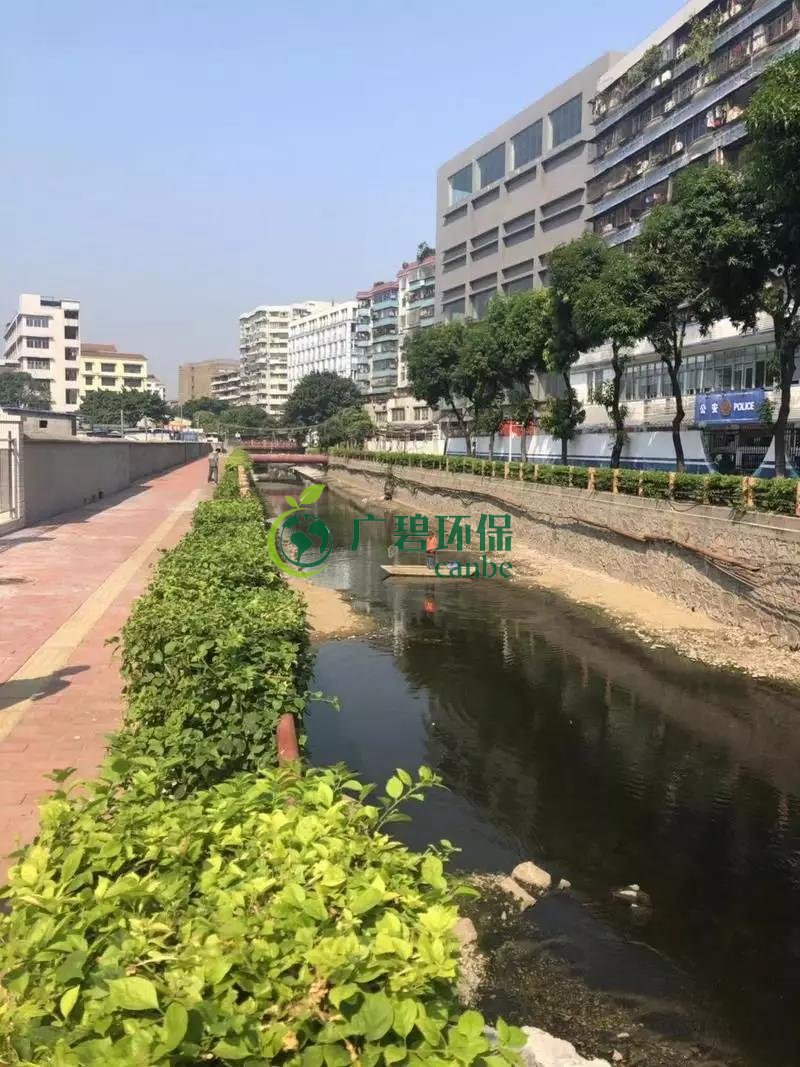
729,407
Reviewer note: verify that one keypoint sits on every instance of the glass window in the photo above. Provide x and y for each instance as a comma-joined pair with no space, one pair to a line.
565,121
480,302
519,285
461,184
492,166
526,145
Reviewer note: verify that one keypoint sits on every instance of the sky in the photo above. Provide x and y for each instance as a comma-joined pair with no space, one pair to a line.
172,164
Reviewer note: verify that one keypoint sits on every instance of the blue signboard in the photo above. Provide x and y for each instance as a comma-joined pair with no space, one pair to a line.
729,407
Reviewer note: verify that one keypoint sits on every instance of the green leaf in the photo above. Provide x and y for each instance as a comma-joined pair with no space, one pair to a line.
336,1056
67,1002
375,1016
133,993
290,500
405,1015
394,788
366,900
312,493
229,1051
471,1024
176,1021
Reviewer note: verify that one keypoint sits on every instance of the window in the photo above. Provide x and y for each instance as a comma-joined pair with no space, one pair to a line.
398,414
461,184
565,121
72,396
519,285
108,368
71,333
37,342
480,302
70,314
37,364
526,145
421,414
107,383
131,368
492,166
71,374
70,353
88,379
40,322
88,366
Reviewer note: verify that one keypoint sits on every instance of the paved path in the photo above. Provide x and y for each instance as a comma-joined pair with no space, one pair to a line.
65,587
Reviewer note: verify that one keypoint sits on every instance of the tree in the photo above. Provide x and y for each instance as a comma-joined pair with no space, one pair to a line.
351,426
207,421
424,251
320,395
433,357
106,407
570,267
673,290
18,389
609,306
246,418
201,403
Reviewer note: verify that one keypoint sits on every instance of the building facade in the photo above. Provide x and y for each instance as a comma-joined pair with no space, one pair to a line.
377,334
326,341
227,386
680,97
264,352
505,202
43,340
194,379
103,367
416,294
155,385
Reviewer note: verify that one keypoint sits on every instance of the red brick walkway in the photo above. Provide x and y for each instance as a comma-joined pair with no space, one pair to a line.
65,587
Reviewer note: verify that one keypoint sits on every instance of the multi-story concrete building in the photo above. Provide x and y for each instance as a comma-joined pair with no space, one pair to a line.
194,379
416,294
264,352
155,385
679,97
227,386
326,341
43,339
103,367
505,202
667,104
377,333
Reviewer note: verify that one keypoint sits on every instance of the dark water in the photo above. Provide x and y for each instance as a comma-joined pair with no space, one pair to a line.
560,741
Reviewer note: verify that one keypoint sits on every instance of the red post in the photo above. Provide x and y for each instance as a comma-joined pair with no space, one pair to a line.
286,738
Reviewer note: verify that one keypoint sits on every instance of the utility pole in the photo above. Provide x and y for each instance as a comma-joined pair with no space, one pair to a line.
122,421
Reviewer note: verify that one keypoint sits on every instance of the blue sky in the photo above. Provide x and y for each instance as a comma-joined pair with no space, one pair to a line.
171,164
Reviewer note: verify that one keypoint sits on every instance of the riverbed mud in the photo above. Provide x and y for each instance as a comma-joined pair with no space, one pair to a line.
329,613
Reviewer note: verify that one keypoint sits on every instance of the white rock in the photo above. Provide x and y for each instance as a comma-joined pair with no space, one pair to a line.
508,885
617,1057
565,884
465,931
543,1050
532,877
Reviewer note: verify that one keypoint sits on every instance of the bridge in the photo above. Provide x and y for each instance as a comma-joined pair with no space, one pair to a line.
291,459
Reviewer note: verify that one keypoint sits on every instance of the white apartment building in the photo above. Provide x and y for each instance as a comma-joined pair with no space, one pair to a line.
155,385
227,386
43,340
264,352
326,341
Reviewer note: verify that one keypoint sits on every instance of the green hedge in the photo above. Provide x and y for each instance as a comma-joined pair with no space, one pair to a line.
195,904
769,494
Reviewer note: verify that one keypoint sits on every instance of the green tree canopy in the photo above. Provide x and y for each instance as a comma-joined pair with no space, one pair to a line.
351,426
18,389
318,396
433,357
201,403
244,419
106,407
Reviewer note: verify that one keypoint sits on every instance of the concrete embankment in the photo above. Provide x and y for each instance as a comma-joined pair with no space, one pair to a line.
717,585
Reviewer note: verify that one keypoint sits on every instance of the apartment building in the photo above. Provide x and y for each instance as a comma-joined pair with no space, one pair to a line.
667,104
103,367
43,340
505,202
678,98
194,379
155,385
264,352
377,335
326,341
227,386
416,294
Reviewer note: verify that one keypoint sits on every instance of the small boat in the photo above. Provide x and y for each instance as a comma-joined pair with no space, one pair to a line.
421,571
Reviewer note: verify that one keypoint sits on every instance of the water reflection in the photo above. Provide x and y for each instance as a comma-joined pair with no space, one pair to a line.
563,742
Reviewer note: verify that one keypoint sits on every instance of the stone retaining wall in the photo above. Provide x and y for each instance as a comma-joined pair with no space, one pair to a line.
753,581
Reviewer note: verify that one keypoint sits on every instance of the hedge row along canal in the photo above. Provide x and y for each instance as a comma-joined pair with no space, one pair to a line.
197,904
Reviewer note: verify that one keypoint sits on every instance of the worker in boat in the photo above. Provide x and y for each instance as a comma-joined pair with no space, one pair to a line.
430,550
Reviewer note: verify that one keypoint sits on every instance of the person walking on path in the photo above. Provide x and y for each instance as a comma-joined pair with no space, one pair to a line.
213,465
430,550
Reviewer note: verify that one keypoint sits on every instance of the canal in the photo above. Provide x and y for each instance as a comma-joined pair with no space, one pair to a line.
562,741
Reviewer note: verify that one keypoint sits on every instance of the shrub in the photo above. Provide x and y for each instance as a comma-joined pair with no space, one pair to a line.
655,484
268,920
604,479
725,489
628,481
775,494
580,477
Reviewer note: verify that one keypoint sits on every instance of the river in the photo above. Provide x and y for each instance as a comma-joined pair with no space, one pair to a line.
563,741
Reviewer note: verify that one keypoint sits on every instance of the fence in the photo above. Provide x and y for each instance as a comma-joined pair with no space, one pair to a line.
10,482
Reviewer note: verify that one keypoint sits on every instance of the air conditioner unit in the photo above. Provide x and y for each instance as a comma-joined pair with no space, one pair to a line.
669,106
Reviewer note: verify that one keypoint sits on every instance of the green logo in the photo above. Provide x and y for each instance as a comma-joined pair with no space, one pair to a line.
299,542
